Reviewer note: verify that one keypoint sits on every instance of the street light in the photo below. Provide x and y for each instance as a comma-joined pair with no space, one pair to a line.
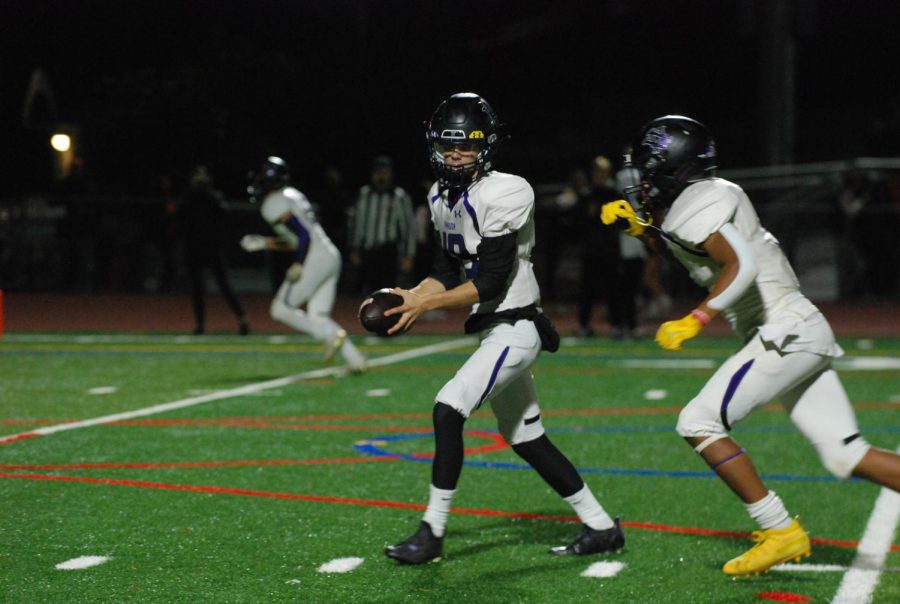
61,142
65,154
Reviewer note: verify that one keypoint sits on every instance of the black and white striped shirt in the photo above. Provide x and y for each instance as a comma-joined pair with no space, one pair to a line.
383,217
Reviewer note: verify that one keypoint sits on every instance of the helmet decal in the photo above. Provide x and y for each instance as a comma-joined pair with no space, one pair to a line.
476,134
671,152
454,134
657,140
709,152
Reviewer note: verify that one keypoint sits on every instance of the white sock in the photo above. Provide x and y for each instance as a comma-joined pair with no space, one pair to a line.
352,354
589,509
769,512
439,502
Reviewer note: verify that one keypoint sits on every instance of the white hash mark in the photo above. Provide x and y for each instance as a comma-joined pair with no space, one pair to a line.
602,570
103,390
82,562
341,565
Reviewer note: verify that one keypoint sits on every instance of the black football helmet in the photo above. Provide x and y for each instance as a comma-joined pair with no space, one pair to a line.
465,121
670,153
271,176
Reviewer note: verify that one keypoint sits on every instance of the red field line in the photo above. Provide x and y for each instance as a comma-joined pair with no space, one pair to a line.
389,504
5,440
229,423
497,443
19,422
272,421
197,464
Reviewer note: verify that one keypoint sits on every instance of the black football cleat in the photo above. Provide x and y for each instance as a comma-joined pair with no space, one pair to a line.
420,548
592,541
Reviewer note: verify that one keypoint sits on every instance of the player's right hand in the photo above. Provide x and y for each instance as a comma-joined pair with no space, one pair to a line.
672,334
410,311
294,272
623,215
253,243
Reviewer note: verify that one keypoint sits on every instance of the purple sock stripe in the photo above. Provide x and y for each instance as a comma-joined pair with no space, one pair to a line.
729,392
729,458
494,373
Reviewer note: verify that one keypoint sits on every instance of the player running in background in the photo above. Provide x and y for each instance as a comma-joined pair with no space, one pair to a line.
710,226
484,220
312,278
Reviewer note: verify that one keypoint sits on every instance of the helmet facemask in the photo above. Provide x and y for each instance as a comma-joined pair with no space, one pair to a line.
454,176
465,122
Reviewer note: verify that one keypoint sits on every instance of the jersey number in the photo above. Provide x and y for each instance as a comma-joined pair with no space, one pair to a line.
455,245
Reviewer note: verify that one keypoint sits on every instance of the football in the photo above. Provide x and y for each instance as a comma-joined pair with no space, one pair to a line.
371,311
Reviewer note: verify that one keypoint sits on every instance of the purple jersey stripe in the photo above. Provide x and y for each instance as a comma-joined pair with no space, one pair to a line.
471,211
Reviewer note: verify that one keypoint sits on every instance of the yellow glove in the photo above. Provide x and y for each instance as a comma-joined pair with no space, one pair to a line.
622,213
672,334
294,272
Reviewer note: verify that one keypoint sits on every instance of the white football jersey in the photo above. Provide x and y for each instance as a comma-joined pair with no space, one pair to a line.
496,204
701,210
290,200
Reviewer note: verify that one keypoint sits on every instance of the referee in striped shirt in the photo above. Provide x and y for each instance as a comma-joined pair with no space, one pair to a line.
382,233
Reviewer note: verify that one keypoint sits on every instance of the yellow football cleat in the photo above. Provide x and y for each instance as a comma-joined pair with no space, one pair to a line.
773,546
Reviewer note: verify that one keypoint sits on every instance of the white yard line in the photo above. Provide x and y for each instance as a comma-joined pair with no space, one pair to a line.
811,568
241,391
860,581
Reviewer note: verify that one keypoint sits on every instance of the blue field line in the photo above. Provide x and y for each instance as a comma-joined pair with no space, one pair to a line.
374,447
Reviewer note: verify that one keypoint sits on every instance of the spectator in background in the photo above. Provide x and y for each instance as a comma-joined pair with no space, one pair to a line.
167,235
382,231
562,220
204,218
870,223
633,273
332,202
424,229
600,246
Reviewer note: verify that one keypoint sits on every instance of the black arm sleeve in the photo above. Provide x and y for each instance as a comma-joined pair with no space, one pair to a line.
445,268
496,258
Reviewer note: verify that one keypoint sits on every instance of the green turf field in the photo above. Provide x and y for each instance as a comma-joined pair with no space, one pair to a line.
238,494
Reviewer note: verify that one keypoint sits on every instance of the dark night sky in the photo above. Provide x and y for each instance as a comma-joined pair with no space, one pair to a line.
154,86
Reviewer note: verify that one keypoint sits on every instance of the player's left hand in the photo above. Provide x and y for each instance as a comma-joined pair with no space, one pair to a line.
411,309
253,243
672,334
621,213
294,272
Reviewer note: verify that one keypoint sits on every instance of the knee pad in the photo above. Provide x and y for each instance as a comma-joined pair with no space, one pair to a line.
840,458
520,431
278,310
693,422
